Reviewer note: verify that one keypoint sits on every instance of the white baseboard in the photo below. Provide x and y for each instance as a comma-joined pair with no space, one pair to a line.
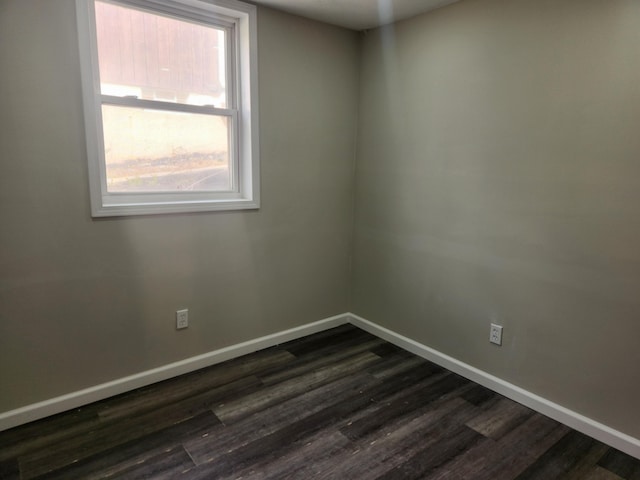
79,398
599,431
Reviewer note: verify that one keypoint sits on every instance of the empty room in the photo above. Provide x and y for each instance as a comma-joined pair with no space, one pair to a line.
337,239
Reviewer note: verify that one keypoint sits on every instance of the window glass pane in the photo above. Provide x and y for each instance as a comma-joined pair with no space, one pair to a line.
154,57
160,151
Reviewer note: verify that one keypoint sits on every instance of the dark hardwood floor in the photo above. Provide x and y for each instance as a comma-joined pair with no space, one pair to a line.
341,404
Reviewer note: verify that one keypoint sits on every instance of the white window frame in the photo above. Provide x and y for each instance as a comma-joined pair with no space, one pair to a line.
244,148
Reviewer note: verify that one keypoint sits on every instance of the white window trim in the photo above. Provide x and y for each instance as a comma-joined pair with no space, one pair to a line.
247,194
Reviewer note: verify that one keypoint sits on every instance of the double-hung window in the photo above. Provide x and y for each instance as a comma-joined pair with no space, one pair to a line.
170,101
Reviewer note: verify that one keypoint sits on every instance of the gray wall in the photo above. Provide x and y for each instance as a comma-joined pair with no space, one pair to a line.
86,301
498,179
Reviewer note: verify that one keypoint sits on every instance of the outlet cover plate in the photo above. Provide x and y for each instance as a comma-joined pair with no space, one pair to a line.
182,319
495,334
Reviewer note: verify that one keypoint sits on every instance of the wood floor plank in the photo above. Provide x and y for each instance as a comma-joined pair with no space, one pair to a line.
381,402
234,411
311,363
375,455
434,455
49,431
408,404
121,458
325,341
111,434
9,469
57,429
399,363
588,463
334,345
501,418
599,473
272,419
621,464
389,349
420,375
276,442
479,395
506,458
362,460
148,398
166,465
295,462
330,350
575,452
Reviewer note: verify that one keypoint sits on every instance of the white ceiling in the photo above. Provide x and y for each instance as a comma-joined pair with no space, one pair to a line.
356,14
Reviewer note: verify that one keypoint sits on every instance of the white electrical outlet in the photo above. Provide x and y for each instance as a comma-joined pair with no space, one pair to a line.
495,334
182,319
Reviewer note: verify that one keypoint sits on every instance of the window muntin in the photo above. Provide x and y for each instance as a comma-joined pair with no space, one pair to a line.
170,126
